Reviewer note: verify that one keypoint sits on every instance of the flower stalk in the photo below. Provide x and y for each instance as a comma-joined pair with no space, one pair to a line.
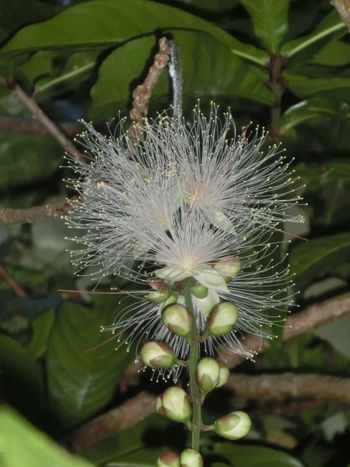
192,366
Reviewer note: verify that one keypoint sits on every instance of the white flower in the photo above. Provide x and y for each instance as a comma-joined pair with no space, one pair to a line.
174,204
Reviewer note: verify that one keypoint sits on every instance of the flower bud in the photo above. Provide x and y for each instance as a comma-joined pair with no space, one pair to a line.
158,405
233,426
156,284
211,279
158,296
169,459
177,319
228,267
207,374
157,355
222,319
199,291
176,404
224,374
191,458
173,298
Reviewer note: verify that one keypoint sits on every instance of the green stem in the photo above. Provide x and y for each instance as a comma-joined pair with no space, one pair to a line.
192,365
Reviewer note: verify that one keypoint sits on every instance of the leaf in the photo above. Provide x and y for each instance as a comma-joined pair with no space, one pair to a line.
313,109
317,175
256,456
21,444
105,23
18,371
334,53
25,159
42,326
217,6
303,85
78,67
319,255
330,25
154,432
81,378
270,21
14,14
337,334
209,69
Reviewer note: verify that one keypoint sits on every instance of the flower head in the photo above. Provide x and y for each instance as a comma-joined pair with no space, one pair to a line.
188,202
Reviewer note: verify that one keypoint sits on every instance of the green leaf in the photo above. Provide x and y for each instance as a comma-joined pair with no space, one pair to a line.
256,456
334,53
316,175
330,25
134,439
337,334
303,85
82,378
42,326
15,13
270,21
217,6
25,159
313,109
209,69
18,371
21,444
319,255
105,23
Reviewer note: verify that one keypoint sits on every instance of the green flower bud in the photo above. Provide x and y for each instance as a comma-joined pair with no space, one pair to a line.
207,374
168,459
191,458
172,299
157,355
158,405
222,319
176,404
228,267
199,291
233,426
224,374
177,319
158,296
211,279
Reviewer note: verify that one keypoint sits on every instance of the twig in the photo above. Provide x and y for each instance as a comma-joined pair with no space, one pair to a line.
18,216
38,114
299,323
132,411
17,289
284,385
32,127
142,93
343,8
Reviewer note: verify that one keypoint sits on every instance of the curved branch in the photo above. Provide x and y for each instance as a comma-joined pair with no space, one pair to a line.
41,117
143,92
18,216
281,386
266,386
132,411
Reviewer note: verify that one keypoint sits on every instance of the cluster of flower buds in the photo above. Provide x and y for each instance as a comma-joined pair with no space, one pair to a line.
175,403
210,373
188,458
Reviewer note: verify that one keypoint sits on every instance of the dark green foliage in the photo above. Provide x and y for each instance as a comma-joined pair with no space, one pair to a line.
85,58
